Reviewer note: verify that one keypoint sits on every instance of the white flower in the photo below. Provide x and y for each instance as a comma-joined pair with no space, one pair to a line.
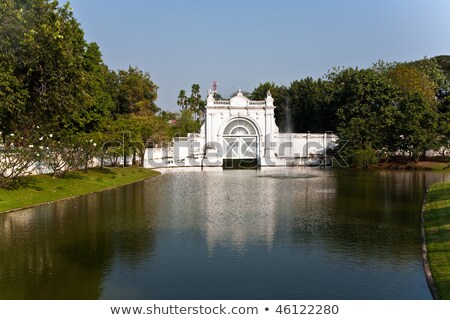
37,127
41,147
41,138
90,140
31,146
50,135
37,154
94,144
12,134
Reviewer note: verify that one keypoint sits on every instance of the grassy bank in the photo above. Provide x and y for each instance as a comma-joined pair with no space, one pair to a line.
39,189
437,226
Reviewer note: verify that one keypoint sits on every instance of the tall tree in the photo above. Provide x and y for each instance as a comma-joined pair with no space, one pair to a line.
136,92
309,106
416,126
196,104
182,101
43,48
366,114
13,92
98,93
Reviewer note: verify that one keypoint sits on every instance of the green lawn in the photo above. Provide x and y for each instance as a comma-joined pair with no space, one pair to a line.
39,189
437,225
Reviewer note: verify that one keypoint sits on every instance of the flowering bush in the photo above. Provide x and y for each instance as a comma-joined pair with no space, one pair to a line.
19,156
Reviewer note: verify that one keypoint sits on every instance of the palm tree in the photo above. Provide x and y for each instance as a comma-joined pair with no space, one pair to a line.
182,100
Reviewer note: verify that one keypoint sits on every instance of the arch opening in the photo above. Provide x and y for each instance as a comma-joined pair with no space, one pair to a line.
241,144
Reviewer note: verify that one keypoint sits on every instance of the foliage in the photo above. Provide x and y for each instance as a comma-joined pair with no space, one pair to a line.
444,64
280,96
410,80
141,131
99,90
309,107
87,148
367,112
363,158
60,156
196,104
136,93
186,124
192,111
182,101
434,71
391,108
18,154
416,126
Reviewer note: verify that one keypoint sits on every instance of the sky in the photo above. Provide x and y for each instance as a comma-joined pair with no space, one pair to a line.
242,43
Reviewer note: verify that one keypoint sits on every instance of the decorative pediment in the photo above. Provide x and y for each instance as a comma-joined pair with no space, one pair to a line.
239,100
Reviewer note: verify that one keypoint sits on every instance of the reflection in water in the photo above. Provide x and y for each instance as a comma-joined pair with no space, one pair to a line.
319,234
64,250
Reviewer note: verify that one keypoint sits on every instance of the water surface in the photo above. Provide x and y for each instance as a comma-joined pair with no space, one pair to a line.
298,234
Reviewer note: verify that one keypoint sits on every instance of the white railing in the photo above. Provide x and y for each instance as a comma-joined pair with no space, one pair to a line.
221,103
225,103
257,103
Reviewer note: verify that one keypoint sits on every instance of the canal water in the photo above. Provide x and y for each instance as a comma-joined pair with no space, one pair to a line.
278,234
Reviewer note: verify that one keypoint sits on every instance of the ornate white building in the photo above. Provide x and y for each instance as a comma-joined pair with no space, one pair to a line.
242,133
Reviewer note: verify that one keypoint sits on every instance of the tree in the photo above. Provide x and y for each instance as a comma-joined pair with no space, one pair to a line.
186,124
18,155
182,101
434,69
13,98
309,104
42,54
59,155
366,114
88,146
409,80
13,91
98,93
383,67
136,93
444,63
192,106
148,129
196,104
416,126
280,96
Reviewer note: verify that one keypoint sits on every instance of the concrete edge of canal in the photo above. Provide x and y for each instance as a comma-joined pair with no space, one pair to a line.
426,263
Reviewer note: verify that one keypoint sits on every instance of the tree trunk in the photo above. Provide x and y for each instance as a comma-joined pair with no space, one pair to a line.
86,162
141,160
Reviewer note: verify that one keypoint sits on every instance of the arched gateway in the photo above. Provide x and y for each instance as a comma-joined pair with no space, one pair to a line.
239,129
240,140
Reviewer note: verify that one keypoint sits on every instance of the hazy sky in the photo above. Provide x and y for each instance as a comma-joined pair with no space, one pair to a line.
243,43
